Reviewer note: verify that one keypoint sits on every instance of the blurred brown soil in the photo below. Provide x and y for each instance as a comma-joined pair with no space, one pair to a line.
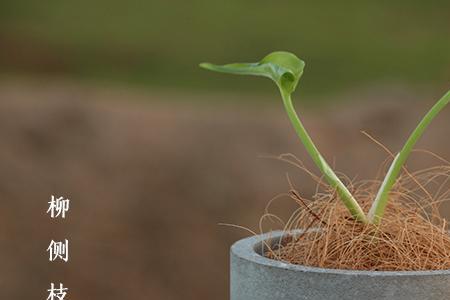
150,178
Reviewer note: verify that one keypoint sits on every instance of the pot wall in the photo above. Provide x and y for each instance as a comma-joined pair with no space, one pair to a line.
254,277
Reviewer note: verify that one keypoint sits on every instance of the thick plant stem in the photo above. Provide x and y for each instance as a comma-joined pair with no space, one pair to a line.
344,194
379,205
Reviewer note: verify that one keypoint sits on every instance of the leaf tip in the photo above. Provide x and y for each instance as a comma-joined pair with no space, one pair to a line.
206,65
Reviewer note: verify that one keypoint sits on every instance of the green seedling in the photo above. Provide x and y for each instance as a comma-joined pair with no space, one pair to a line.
379,205
285,69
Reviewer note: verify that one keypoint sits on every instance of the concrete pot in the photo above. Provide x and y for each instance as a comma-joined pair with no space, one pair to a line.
254,277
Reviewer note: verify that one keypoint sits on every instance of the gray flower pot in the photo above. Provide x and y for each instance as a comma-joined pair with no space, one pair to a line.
254,277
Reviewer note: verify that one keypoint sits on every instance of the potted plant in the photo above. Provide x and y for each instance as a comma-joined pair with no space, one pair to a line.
379,240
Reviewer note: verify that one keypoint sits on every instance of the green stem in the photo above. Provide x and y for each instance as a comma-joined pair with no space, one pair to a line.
344,194
378,207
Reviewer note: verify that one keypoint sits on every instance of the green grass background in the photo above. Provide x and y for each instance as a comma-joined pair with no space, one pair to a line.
160,43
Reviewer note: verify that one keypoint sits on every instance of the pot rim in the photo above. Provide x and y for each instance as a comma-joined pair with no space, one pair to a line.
246,249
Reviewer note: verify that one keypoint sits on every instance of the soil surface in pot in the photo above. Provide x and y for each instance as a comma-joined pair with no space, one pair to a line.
412,235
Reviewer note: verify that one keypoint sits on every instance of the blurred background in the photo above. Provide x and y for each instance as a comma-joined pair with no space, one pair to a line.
102,102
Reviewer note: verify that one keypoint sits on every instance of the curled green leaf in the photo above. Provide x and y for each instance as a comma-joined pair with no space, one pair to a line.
284,68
